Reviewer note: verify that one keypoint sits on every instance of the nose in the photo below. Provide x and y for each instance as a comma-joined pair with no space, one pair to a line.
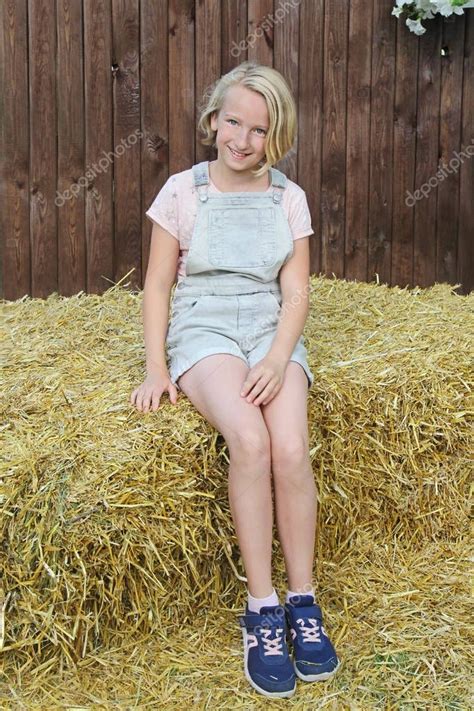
242,142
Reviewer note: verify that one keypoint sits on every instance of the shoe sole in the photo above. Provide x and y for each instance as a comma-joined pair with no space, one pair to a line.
315,677
272,694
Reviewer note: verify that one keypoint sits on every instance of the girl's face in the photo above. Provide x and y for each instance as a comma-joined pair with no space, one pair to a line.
242,126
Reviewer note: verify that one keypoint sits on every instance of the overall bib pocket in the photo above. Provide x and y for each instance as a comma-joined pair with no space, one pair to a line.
242,237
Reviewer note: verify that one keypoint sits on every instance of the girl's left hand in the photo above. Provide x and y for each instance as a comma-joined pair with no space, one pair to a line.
264,380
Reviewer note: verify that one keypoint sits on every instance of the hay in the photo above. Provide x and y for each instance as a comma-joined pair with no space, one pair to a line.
116,530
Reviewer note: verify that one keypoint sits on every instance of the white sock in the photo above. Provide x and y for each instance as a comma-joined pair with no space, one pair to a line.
290,593
256,603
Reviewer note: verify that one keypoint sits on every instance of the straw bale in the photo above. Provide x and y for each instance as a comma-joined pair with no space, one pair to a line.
116,531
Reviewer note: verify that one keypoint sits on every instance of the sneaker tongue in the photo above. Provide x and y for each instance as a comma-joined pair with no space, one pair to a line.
302,600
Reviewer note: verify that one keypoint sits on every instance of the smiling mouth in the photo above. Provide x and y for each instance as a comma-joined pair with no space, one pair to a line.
238,155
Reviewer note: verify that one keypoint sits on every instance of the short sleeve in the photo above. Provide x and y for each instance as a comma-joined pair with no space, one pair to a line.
164,208
300,216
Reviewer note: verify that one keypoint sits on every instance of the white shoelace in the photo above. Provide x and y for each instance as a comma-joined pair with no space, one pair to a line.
272,646
311,633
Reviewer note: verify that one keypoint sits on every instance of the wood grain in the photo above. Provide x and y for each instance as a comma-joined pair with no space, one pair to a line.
100,104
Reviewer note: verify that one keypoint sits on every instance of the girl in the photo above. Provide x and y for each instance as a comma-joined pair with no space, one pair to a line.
236,230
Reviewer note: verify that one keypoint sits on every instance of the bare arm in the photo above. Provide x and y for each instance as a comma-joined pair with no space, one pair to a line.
294,284
159,280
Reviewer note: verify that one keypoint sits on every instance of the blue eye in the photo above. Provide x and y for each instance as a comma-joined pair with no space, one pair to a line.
264,133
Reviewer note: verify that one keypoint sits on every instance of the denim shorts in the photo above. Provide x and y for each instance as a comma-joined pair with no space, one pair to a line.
243,325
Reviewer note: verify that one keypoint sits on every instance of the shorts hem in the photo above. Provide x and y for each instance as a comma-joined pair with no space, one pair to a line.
306,369
177,371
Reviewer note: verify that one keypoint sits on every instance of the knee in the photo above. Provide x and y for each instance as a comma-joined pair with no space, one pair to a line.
250,444
290,454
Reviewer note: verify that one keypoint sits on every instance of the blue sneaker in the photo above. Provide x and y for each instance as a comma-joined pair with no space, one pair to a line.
315,658
267,663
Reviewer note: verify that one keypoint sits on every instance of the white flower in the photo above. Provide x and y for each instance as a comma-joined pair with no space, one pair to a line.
425,5
415,26
445,8
425,10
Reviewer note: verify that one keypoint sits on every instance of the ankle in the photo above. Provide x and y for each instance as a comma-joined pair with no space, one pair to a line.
256,603
304,590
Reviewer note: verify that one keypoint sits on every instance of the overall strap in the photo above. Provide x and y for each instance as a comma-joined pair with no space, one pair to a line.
201,179
279,183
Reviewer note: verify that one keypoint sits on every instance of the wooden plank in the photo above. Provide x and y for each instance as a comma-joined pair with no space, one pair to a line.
404,147
333,187
154,92
286,44
181,85
234,32
260,31
99,145
381,144
43,151
358,139
310,120
323,49
14,148
447,217
127,133
70,194
465,261
427,146
208,65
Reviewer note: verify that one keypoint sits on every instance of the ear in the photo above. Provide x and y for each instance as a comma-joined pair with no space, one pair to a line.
214,120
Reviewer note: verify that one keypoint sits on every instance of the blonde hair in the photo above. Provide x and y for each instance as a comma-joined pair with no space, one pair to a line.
280,105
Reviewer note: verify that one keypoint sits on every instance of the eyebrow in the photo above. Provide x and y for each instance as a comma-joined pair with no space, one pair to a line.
237,116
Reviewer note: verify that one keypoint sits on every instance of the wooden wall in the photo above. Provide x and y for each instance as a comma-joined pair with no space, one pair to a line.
99,106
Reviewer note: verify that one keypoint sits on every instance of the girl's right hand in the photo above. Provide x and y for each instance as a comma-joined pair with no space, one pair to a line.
150,391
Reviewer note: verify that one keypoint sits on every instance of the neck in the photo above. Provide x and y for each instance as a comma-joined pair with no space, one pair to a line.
225,179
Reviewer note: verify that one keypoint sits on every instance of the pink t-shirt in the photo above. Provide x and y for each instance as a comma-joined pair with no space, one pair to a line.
176,205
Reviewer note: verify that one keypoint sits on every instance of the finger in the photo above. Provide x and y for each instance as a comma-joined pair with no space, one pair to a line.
253,376
269,398
173,394
155,401
264,394
272,395
252,391
256,389
140,401
246,387
146,402
251,382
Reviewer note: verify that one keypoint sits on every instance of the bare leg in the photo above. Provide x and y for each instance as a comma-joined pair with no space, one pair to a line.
213,386
296,510
295,488
250,500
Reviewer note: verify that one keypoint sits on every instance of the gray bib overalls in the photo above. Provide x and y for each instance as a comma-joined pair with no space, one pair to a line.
229,299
